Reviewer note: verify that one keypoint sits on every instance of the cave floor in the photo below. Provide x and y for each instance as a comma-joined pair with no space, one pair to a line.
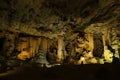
64,72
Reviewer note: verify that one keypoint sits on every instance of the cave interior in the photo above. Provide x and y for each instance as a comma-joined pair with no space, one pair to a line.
48,33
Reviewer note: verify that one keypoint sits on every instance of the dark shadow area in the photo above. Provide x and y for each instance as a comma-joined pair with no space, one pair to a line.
66,72
1,43
102,74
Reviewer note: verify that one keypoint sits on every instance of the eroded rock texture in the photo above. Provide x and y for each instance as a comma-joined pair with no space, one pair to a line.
65,31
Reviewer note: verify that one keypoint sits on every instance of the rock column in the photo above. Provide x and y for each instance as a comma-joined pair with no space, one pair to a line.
60,49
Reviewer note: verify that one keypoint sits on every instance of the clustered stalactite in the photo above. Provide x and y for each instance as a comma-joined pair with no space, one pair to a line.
86,47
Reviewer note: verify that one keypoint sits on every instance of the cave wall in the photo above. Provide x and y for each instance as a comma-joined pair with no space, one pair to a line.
66,26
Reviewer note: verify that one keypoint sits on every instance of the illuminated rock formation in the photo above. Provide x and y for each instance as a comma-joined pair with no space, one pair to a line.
60,49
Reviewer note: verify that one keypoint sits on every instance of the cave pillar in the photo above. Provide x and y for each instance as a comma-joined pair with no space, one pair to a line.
60,49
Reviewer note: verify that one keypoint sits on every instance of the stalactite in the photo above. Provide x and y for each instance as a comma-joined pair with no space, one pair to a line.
44,44
105,37
34,45
38,43
23,43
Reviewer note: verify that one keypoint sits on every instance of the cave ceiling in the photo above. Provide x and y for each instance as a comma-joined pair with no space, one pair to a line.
36,17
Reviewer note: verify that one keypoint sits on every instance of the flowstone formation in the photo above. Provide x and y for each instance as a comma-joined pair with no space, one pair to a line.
67,31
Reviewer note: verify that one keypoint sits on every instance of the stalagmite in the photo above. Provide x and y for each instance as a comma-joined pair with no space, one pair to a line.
40,57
